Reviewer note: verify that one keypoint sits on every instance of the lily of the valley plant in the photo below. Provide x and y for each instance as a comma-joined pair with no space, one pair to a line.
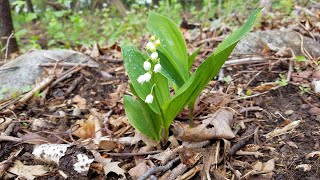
161,78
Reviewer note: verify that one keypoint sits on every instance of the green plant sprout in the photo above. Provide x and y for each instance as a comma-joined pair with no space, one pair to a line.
161,79
304,89
283,80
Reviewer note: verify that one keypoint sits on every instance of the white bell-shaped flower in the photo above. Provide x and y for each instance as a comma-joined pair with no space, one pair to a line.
147,77
149,99
151,47
141,79
154,56
147,65
157,43
157,68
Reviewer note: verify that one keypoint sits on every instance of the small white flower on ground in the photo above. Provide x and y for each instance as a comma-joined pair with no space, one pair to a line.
147,65
157,68
141,79
149,99
151,47
147,77
154,56
152,38
157,43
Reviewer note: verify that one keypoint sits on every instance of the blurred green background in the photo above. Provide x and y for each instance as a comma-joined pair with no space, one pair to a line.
70,23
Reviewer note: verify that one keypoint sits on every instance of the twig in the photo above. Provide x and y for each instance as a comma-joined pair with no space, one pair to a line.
4,166
68,64
9,138
247,97
42,85
157,169
247,60
66,75
7,47
247,136
180,169
252,108
257,74
73,85
132,154
192,172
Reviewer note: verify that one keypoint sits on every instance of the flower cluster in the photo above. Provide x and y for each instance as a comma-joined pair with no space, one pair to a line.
151,65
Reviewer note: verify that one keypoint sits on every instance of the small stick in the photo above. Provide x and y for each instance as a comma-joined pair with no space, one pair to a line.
132,154
73,85
7,47
66,75
247,97
9,138
66,64
246,61
247,136
5,165
157,169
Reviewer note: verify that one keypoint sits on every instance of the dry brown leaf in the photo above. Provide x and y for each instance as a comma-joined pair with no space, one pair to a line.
297,77
284,52
86,129
29,172
81,102
113,167
315,153
108,166
217,125
95,53
265,87
138,170
108,145
4,123
304,167
147,140
285,129
314,111
269,165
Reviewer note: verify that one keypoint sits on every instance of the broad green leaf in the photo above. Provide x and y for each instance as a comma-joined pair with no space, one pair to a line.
170,70
142,118
192,57
206,71
161,89
171,39
133,62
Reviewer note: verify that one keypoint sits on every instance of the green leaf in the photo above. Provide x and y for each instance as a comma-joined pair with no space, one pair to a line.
193,56
301,58
142,118
170,70
133,63
161,90
206,71
30,17
171,39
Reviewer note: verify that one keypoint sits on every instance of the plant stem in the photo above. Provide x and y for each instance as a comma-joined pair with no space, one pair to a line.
191,108
165,135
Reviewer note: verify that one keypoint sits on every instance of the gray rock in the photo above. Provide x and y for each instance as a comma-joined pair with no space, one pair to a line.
253,43
23,71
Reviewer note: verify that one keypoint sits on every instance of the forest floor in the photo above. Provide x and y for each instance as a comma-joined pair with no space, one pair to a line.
277,127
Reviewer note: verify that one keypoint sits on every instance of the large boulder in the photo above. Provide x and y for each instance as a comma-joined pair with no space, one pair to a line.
25,70
254,42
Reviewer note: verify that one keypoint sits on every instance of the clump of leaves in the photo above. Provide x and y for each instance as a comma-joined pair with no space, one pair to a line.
166,66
